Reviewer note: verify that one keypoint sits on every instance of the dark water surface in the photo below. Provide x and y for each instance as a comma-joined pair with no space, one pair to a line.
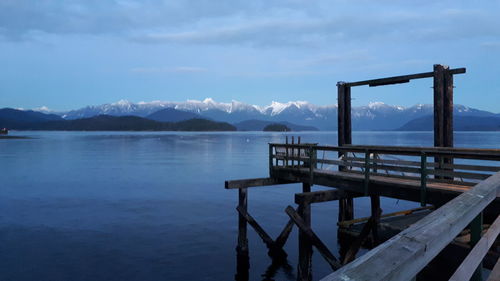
152,206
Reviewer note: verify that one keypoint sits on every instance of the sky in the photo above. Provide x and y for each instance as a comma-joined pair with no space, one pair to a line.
69,54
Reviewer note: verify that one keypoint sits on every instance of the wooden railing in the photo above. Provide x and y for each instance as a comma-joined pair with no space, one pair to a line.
460,166
404,255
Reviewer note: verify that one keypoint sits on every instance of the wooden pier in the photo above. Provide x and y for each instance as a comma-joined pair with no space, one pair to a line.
460,185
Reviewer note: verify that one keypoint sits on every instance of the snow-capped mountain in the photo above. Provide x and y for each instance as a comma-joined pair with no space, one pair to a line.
374,116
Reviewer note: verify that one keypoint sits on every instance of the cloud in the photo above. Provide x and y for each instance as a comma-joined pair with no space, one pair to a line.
179,69
491,45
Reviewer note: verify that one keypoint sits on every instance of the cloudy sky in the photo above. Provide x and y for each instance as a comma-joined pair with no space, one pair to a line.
68,54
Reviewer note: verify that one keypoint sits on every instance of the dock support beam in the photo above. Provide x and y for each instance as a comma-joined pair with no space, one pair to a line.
443,111
376,212
346,206
242,255
305,247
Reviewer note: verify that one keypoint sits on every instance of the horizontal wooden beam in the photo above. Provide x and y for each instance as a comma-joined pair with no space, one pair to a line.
399,79
353,182
404,255
235,184
324,196
466,269
465,153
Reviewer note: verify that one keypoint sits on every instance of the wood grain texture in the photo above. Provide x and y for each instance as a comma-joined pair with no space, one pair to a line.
404,255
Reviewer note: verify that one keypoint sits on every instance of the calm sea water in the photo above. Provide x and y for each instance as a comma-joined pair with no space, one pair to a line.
152,206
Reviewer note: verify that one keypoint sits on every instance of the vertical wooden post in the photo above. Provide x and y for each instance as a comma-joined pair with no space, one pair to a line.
438,105
347,118
367,172
476,228
423,180
376,212
242,223
305,247
340,116
242,256
438,112
344,129
448,108
271,160
448,114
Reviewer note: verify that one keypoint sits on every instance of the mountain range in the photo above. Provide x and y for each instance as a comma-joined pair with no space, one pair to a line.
297,115
374,116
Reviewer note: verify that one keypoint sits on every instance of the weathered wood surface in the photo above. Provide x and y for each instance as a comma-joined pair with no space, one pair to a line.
400,188
464,153
313,238
403,256
323,196
495,273
438,74
400,79
245,183
472,261
399,213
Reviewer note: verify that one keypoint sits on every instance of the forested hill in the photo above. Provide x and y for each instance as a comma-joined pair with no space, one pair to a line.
120,123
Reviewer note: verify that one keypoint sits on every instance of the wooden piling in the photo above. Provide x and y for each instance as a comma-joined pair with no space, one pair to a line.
375,213
305,248
344,129
242,223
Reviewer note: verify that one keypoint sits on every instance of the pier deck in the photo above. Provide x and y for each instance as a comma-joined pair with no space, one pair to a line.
461,184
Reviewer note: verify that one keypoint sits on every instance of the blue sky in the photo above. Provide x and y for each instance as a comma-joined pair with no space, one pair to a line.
68,54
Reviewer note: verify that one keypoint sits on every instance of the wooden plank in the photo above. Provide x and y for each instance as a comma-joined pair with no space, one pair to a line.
323,196
235,184
463,153
322,249
387,186
476,255
415,170
260,231
404,255
396,79
453,174
495,272
400,213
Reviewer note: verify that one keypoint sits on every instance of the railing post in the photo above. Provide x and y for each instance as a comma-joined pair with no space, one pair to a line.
312,164
367,171
476,229
271,160
423,179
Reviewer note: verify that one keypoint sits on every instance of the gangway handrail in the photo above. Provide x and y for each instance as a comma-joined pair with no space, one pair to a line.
404,255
